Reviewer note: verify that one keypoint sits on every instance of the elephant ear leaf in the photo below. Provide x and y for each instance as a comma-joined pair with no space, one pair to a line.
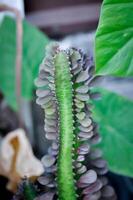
34,42
114,39
114,114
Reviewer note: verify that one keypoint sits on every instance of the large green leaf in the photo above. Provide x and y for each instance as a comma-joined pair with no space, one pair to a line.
114,39
34,43
114,114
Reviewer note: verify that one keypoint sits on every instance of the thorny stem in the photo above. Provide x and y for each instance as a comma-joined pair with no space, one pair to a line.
75,169
63,87
19,34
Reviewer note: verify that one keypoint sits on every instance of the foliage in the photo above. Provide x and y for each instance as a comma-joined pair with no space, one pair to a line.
114,114
114,56
114,39
33,51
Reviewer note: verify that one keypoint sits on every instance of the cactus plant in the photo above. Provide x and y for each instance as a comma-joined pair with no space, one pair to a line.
74,168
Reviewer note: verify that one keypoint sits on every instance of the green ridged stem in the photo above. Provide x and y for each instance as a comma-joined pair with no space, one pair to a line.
63,90
29,191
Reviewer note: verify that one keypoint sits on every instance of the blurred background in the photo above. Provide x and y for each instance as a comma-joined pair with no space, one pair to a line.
72,23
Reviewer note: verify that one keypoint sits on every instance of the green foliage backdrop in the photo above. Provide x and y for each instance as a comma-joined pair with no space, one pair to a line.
114,115
114,39
114,56
34,43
